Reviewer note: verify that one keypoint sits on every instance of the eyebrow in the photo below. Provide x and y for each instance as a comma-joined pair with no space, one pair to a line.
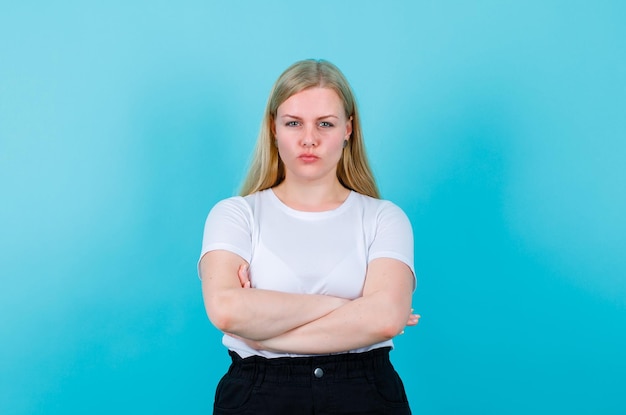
298,118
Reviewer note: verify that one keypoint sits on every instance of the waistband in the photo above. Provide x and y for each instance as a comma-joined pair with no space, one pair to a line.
308,368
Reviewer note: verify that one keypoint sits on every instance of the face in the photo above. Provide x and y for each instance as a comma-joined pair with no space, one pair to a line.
310,129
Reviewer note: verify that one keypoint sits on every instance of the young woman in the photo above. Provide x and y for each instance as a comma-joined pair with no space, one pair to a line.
308,273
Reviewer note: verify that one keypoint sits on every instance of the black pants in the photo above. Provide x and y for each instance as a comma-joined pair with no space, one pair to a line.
354,383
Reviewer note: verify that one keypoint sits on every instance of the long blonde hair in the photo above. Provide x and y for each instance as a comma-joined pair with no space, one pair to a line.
267,169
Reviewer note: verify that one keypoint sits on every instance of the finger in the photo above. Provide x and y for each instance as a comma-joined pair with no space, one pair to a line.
413,320
242,274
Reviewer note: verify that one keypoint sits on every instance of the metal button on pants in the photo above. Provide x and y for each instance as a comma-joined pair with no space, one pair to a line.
318,372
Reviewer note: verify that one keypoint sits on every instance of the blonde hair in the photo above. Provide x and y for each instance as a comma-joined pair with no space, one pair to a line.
267,170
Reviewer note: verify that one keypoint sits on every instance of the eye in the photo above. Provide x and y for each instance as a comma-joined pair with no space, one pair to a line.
326,124
292,123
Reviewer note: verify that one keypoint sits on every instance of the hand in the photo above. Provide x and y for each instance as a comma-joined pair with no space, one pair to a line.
412,321
244,276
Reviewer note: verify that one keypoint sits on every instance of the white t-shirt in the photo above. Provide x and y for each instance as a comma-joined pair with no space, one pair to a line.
308,252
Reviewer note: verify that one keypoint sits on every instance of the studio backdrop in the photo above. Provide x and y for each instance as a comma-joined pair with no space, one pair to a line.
499,127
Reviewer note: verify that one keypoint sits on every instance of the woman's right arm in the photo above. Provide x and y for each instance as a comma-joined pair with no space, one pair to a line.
254,314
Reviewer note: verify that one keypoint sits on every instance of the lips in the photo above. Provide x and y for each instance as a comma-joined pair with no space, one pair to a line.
308,158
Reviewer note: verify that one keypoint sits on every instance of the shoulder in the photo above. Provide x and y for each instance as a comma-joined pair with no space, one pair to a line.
237,205
229,226
227,212
379,208
390,231
232,205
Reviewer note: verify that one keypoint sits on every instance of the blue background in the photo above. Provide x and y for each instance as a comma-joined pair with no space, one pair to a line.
499,126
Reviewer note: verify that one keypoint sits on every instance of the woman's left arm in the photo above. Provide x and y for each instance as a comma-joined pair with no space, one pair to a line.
380,314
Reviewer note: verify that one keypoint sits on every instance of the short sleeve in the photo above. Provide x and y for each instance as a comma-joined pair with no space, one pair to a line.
393,237
229,227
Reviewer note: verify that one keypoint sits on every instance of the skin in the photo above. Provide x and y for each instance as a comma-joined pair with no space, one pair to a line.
310,129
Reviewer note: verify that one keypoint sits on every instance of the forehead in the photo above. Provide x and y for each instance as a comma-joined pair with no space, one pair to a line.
312,101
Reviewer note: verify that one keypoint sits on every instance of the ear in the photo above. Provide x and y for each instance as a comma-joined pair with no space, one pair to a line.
273,127
349,128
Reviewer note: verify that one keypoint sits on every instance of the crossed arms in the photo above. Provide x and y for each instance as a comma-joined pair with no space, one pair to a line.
306,323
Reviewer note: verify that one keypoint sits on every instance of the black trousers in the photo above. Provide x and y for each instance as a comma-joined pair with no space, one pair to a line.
353,383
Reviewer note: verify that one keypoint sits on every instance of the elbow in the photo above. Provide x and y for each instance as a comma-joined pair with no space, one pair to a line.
220,310
390,329
221,321
391,323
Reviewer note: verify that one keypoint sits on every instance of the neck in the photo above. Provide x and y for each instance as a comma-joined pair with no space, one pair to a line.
312,197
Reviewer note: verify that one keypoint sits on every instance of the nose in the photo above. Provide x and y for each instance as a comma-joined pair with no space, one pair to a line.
309,139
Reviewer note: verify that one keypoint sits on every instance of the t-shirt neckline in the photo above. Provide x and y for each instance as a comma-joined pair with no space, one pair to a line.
310,215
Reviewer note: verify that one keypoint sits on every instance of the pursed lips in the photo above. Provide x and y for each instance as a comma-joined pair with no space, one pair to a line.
308,157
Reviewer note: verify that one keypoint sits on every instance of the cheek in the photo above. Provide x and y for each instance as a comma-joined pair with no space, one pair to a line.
283,133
